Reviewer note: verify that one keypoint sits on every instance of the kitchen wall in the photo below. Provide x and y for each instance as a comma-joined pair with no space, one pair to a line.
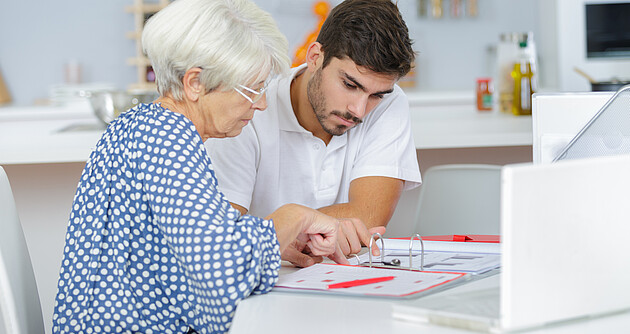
564,44
38,37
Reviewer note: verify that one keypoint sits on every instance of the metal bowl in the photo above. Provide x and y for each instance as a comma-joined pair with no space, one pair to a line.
607,86
107,105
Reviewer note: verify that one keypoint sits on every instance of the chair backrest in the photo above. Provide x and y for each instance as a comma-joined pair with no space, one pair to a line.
20,309
459,199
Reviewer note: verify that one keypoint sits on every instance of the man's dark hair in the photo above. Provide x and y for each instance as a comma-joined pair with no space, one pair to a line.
372,33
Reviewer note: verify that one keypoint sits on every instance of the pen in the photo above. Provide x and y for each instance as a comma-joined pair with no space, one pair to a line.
360,282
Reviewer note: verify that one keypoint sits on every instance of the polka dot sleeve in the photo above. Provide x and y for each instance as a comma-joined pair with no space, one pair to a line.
182,194
152,245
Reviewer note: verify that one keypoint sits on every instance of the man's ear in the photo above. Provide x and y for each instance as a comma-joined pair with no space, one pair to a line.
193,88
314,56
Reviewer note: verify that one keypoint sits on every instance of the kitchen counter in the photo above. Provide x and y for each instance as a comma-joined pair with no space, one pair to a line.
440,120
35,135
450,120
464,127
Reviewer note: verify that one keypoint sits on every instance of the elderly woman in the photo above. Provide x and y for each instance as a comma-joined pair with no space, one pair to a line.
152,245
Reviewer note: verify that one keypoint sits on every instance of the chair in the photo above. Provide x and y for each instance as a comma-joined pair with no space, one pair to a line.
459,199
20,309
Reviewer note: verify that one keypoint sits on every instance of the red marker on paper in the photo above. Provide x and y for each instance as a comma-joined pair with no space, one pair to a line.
360,282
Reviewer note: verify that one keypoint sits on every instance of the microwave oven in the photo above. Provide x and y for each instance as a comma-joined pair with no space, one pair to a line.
607,29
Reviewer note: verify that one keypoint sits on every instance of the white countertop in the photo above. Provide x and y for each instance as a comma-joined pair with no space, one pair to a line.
464,126
440,120
31,135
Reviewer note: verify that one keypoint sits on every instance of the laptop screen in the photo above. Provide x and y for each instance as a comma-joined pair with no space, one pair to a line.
557,118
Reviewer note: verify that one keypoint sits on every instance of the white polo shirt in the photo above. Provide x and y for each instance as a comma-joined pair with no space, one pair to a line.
275,161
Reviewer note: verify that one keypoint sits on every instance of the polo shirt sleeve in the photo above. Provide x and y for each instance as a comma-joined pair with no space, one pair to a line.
235,162
387,147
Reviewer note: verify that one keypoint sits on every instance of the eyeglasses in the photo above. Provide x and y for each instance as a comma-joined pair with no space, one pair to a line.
258,93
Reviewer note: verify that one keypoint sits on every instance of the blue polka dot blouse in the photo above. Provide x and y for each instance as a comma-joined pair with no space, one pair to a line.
152,246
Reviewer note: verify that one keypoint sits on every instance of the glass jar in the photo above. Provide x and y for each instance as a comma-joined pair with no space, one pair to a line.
484,94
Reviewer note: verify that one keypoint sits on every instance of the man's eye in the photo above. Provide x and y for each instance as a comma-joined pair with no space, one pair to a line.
378,96
349,85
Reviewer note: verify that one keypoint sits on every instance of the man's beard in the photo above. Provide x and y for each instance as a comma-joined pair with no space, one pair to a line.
318,103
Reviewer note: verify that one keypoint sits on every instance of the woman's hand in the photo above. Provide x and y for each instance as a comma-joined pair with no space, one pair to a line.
311,229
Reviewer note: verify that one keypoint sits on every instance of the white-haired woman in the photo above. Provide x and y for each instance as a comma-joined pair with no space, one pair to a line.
152,245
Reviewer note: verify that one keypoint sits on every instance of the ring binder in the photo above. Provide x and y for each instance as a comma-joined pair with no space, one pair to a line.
449,264
394,262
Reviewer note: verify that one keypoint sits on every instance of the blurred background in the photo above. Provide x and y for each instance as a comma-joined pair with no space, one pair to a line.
42,40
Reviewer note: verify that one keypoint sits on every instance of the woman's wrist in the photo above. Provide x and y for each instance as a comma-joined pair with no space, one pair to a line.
289,221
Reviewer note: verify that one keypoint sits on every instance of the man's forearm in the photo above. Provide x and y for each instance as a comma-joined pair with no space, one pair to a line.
372,199
371,217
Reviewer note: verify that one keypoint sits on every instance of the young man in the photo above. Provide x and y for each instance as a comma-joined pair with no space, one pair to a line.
336,133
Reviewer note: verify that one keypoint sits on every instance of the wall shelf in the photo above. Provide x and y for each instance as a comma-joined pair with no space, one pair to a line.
141,11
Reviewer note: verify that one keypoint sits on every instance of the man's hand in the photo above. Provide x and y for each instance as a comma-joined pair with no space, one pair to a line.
352,233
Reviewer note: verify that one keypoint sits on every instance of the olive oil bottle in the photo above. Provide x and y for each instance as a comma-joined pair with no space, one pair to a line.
524,82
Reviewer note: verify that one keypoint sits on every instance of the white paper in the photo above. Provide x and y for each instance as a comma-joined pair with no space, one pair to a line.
405,282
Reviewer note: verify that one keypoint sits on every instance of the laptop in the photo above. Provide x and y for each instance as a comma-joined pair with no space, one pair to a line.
562,257
558,117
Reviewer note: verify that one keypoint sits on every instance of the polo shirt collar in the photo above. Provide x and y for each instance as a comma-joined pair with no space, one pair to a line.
286,117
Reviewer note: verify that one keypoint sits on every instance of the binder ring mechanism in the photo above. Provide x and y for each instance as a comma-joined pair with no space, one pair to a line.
421,252
380,237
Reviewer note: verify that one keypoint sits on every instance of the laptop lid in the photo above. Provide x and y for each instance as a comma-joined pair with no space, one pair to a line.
562,255
558,117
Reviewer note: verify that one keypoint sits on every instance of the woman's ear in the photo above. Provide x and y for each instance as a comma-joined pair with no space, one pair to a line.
314,56
193,88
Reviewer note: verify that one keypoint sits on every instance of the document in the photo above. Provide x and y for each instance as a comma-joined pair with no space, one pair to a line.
474,258
365,281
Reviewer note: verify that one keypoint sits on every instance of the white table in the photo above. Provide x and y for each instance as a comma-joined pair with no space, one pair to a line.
307,313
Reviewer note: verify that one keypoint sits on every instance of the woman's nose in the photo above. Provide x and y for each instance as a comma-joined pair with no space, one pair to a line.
262,103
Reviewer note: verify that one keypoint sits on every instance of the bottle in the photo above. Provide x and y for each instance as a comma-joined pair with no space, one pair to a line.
436,9
484,94
507,55
524,82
